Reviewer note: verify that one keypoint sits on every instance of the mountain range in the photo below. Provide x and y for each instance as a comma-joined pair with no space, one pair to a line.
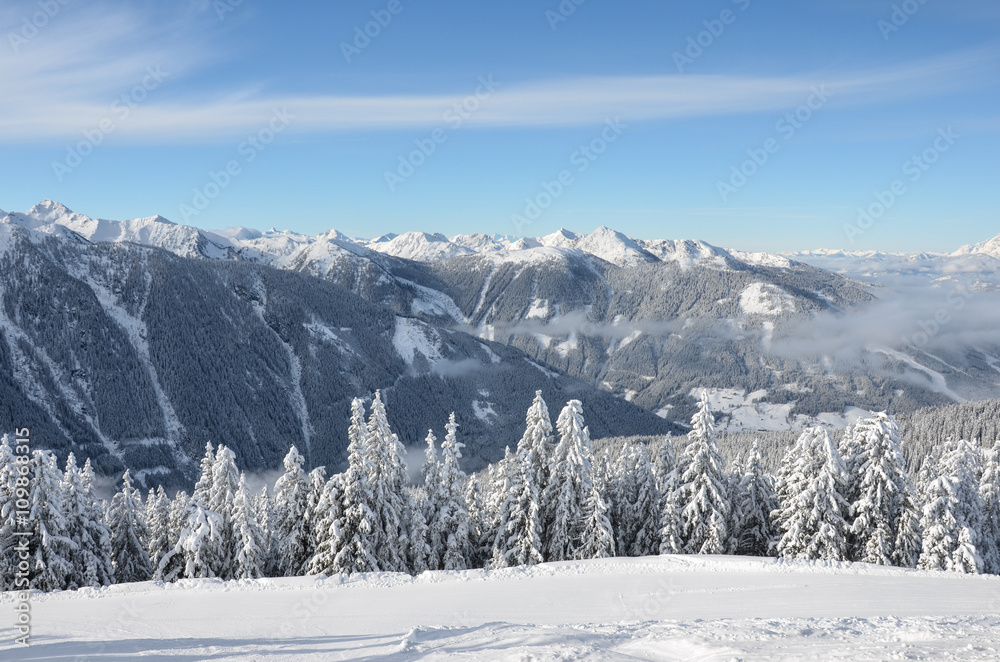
140,340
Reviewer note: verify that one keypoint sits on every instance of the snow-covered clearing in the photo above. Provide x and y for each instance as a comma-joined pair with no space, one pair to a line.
656,608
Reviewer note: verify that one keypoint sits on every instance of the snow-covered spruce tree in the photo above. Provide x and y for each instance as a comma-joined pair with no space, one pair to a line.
315,508
736,498
480,544
86,528
953,515
417,547
222,489
455,512
756,525
197,547
667,482
171,563
157,516
703,490
537,443
262,511
352,538
940,528
518,540
810,518
884,527
248,560
635,504
291,494
989,491
203,488
388,480
52,562
8,514
326,531
433,504
128,535
575,513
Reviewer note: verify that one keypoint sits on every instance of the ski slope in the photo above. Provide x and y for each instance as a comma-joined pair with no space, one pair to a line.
656,608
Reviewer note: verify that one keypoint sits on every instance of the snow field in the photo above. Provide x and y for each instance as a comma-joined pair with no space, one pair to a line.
651,608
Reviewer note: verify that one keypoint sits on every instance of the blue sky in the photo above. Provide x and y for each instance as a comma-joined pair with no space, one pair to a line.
132,109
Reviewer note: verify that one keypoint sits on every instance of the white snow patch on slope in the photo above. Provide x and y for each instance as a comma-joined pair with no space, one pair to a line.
413,337
737,410
539,310
484,411
766,299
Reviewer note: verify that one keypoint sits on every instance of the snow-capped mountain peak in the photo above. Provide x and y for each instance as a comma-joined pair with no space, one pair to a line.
990,247
420,246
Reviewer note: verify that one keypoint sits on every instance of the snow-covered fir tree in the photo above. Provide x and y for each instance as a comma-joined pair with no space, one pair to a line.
203,488
518,540
388,480
811,515
537,443
8,514
197,547
703,493
222,490
325,530
432,507
576,522
352,537
884,510
667,482
989,492
758,502
128,535
52,561
157,516
248,560
634,501
953,514
86,528
455,534
291,494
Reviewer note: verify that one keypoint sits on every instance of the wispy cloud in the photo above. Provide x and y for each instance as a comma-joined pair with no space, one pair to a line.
57,88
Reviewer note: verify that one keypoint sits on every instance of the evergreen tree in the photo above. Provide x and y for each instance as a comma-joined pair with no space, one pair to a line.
86,528
52,562
388,480
354,539
518,540
197,547
291,494
577,525
634,500
8,514
326,532
810,518
882,529
315,512
536,443
222,489
248,560
703,491
668,481
455,518
953,515
203,488
759,500
418,549
157,517
128,535
433,507
989,492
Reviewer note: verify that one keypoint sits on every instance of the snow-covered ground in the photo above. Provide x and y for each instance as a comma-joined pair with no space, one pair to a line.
658,608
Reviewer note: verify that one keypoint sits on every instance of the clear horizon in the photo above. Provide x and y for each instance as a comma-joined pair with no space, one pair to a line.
876,132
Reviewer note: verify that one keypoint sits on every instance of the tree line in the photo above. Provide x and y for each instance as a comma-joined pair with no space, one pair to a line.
551,498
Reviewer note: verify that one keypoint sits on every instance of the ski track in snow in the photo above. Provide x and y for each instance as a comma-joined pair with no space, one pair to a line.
654,608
